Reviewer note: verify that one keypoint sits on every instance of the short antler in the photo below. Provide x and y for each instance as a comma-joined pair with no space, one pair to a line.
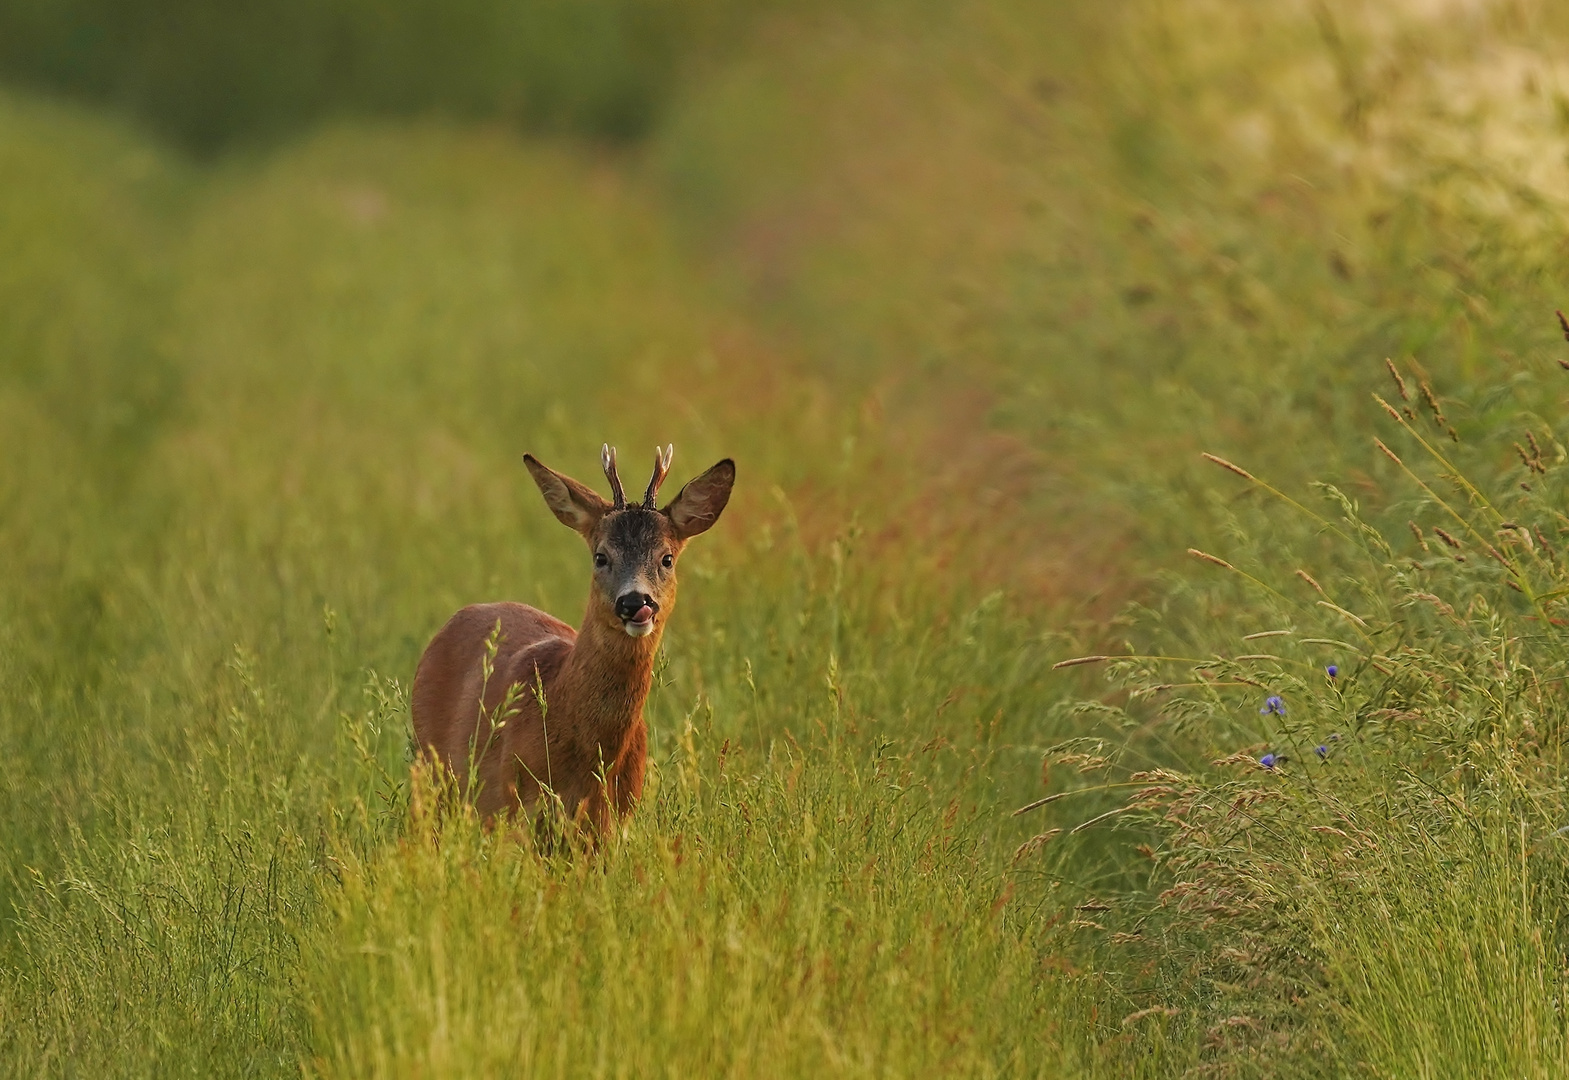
607,458
662,460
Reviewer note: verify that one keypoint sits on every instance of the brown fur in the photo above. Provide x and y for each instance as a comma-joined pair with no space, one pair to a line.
562,708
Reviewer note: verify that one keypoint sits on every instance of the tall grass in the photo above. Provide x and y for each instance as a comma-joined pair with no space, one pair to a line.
965,293
1371,865
196,792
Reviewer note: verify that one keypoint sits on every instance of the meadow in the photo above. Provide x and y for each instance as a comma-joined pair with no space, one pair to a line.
968,291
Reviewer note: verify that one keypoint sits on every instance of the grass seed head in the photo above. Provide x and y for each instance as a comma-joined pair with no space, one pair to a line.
1311,580
1431,400
1207,557
1077,660
1231,467
1400,384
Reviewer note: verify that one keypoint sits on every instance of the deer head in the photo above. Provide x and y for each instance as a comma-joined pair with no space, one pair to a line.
635,547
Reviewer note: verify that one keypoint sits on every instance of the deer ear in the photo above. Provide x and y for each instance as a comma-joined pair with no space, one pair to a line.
575,505
700,503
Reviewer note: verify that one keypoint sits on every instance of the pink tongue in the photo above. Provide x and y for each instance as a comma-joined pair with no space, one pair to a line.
644,614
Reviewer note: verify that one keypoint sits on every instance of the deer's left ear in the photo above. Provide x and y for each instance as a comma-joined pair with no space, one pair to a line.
701,502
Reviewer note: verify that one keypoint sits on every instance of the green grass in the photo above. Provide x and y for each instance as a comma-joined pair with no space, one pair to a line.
965,292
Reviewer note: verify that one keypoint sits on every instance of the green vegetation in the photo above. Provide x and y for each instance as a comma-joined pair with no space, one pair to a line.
209,74
966,290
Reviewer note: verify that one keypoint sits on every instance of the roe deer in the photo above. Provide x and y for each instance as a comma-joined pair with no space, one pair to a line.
562,709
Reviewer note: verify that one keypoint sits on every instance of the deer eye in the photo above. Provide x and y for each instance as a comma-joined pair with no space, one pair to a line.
668,561
601,560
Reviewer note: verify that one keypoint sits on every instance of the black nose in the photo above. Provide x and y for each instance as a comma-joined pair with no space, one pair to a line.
628,604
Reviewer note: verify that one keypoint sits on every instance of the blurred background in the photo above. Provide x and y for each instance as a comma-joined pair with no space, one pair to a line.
288,287
208,77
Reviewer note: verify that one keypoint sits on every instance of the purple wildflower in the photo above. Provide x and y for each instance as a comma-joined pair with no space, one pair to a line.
1268,761
1322,751
1332,670
1274,705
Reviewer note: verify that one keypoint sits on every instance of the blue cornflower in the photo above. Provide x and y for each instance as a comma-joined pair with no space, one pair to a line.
1332,670
1268,761
1321,750
1274,705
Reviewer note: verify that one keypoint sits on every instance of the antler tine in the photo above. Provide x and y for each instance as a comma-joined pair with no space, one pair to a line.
607,458
662,459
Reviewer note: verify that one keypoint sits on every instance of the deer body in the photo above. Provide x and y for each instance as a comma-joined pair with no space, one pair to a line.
562,709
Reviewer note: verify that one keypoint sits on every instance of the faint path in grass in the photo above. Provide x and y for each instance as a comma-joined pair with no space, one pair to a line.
1077,259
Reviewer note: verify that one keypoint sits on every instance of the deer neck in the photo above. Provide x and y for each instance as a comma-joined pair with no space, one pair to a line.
605,680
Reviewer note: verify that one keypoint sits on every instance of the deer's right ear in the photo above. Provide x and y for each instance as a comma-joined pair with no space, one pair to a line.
575,506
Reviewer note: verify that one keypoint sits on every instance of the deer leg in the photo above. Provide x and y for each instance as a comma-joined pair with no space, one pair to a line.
626,776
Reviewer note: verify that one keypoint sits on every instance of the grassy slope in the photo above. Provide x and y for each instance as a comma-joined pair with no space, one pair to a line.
964,334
